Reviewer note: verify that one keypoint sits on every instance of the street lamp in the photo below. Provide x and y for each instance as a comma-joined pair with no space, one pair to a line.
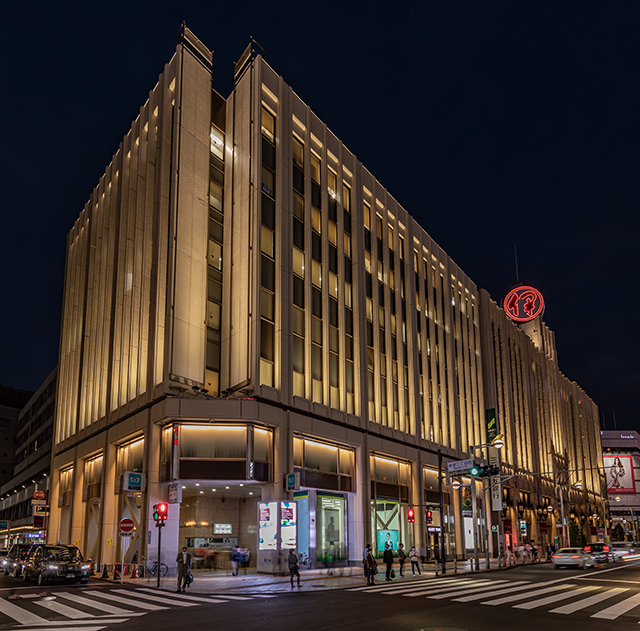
498,443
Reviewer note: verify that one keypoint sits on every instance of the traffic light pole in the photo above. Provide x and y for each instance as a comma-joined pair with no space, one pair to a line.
159,526
441,500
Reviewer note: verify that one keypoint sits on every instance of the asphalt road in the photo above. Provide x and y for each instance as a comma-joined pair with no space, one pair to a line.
527,598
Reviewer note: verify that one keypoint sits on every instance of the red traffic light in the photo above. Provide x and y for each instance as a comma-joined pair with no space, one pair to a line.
160,513
429,517
411,515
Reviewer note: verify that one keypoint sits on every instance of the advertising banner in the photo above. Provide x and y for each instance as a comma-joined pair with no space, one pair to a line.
268,525
619,474
288,526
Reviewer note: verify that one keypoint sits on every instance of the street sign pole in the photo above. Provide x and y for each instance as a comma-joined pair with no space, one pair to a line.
474,512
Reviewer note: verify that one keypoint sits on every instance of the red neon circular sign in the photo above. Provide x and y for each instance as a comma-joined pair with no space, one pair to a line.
523,304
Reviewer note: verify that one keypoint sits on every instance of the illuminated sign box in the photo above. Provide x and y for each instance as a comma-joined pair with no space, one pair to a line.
222,529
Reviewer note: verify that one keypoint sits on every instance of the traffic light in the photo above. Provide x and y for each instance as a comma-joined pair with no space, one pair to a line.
160,513
411,515
428,517
484,471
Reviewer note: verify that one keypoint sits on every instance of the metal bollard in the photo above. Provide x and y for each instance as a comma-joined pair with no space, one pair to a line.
455,565
435,564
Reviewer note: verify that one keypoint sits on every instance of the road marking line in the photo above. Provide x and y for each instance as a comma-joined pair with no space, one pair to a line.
448,588
512,597
19,614
63,610
611,613
156,599
226,598
591,600
481,588
554,598
129,601
88,602
264,596
373,588
50,628
200,599
498,592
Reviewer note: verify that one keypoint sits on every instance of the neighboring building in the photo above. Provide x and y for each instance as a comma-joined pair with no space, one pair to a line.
12,401
621,454
31,466
244,300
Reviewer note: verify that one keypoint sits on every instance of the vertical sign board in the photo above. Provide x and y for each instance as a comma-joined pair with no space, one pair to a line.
494,481
288,525
492,425
268,525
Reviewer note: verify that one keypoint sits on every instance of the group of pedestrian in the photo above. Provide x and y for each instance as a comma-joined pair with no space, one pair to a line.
371,565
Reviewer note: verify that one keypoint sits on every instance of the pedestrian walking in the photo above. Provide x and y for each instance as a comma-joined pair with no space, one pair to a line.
294,569
401,557
235,560
372,566
415,561
387,559
365,561
548,552
184,567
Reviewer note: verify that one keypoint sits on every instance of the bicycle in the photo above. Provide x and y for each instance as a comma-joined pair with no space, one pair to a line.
142,567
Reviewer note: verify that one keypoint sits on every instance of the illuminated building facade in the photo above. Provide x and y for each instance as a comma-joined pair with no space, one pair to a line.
244,300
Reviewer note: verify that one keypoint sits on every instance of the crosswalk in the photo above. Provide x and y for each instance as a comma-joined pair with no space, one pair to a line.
96,609
595,601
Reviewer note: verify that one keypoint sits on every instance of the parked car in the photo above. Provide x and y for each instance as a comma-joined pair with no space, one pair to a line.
3,556
601,552
55,563
623,549
572,556
17,554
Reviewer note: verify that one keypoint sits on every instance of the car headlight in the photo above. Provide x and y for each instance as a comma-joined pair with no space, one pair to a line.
85,567
52,567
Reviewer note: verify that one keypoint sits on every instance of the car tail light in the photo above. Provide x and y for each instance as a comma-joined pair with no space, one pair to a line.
555,556
587,548
606,548
574,556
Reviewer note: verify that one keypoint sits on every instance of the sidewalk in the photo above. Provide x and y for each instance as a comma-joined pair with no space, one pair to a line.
223,582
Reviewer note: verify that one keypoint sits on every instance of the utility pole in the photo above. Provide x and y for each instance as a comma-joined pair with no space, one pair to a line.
441,497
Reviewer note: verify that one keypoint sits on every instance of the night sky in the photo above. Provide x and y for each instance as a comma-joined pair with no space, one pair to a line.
493,123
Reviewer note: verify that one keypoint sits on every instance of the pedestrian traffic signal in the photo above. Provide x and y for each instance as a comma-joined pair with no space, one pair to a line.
411,515
428,517
160,513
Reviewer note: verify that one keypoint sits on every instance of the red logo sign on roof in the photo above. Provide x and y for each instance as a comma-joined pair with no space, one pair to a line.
523,304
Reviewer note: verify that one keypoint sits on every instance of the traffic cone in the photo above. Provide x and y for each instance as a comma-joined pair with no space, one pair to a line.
134,574
13,596
116,575
105,573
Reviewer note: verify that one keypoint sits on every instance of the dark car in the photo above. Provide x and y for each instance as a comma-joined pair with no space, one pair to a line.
46,563
601,552
17,554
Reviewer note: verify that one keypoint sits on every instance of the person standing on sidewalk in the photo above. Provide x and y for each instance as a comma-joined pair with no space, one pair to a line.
372,566
415,561
387,559
184,567
365,561
401,557
294,569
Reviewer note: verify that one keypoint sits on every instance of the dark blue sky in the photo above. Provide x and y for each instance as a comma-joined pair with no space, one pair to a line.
493,123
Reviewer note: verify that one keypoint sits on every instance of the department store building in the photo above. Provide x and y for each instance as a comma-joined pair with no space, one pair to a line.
247,307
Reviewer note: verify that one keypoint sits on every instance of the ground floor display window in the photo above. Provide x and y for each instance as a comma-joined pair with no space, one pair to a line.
330,528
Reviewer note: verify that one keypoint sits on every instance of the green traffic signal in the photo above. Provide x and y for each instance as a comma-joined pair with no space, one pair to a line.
474,471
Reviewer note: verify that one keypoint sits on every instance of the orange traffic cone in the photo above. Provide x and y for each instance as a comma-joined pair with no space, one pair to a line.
134,574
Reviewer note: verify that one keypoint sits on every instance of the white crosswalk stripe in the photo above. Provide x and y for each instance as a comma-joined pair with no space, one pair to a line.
154,598
128,601
522,595
94,604
589,601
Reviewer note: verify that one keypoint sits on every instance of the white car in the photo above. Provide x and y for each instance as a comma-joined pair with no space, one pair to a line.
622,549
573,556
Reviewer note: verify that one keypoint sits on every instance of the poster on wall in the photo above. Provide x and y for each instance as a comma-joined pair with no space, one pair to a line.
388,536
267,525
288,525
619,474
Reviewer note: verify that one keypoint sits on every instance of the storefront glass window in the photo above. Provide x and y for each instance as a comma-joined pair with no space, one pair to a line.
330,534
213,442
321,457
131,457
261,444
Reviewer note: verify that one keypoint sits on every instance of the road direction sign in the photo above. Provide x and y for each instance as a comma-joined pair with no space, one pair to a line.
459,466
126,526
